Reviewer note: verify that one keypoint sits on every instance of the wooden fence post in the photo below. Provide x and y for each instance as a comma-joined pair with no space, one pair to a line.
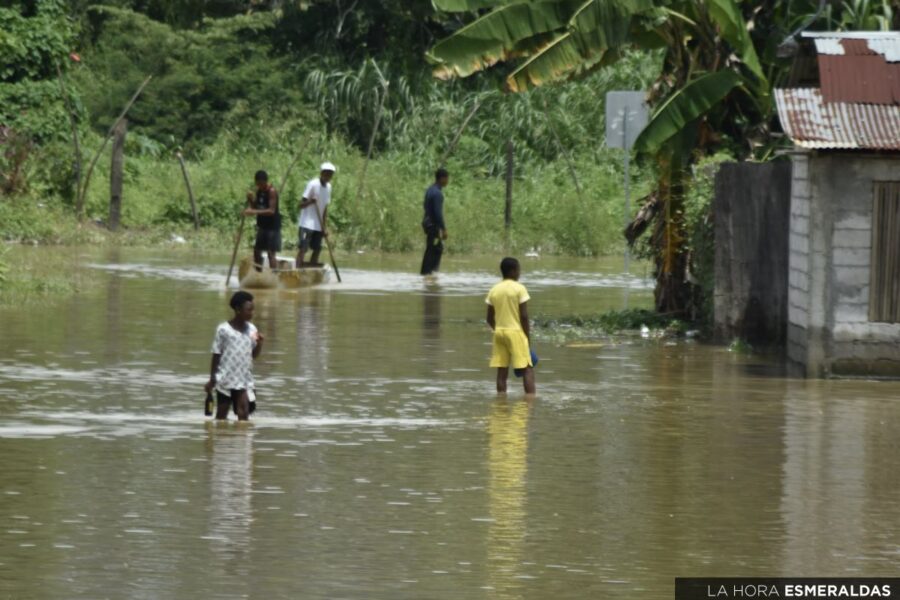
507,215
187,183
116,174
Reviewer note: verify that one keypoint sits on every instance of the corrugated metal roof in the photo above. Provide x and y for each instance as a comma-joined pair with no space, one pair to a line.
885,43
813,123
859,78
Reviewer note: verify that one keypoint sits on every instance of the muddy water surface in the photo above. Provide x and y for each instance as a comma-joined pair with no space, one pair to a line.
381,465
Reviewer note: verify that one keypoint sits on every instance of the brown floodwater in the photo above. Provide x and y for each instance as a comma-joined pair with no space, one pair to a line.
381,464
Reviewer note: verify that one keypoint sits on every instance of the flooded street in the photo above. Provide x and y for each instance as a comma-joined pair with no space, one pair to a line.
381,464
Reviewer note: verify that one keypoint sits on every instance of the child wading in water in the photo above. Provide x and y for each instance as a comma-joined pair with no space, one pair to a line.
507,315
236,344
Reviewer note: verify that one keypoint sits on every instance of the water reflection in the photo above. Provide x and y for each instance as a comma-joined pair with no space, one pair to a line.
508,458
431,315
229,449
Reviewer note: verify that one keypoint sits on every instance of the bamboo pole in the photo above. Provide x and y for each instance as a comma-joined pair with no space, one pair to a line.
87,177
187,183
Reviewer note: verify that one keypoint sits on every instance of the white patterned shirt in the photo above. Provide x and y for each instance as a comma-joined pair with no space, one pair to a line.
235,370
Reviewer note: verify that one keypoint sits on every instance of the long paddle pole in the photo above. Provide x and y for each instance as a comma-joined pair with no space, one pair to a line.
237,244
327,241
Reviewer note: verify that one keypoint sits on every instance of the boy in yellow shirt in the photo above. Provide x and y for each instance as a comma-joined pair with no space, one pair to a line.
507,315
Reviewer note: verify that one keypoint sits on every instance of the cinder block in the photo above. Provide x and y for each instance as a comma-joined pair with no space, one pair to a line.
851,276
798,242
853,221
851,257
851,313
800,168
799,225
856,238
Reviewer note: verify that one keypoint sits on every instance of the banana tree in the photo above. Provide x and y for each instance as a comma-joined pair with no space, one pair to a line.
712,90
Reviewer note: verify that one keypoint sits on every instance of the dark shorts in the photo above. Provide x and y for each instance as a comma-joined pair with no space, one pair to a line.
232,400
310,239
268,240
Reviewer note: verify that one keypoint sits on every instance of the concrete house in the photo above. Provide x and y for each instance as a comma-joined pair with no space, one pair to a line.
843,296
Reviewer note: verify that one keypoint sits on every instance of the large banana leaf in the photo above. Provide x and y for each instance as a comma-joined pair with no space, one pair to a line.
684,106
727,15
494,36
471,5
555,35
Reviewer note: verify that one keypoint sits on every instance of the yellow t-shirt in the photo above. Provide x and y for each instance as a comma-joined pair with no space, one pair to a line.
506,297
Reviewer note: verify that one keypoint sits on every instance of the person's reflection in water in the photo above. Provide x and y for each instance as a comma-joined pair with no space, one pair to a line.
313,345
508,430
230,454
431,320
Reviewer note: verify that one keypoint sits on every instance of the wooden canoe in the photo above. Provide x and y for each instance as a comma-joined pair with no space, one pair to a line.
285,276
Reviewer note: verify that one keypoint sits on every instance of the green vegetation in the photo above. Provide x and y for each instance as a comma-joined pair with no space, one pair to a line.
714,92
30,278
239,85
631,321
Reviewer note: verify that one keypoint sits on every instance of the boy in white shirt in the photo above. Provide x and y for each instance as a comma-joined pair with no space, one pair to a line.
314,215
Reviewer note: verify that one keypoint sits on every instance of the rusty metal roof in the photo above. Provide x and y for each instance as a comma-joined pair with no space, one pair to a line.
811,122
861,66
858,103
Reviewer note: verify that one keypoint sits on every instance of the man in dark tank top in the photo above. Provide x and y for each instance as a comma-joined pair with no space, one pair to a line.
264,204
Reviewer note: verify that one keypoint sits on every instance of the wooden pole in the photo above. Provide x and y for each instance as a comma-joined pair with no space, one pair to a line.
362,176
116,174
507,215
187,183
459,133
327,242
293,162
87,176
237,244
76,145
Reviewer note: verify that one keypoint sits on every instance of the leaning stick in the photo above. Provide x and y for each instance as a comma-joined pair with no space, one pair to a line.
109,134
362,176
74,124
459,133
293,162
327,240
563,150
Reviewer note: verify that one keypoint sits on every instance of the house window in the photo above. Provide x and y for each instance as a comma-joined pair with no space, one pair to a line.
884,288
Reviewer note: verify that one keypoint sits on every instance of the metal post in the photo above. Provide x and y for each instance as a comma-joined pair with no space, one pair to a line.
627,189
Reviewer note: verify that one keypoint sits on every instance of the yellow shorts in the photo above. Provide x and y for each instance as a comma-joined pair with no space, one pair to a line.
510,349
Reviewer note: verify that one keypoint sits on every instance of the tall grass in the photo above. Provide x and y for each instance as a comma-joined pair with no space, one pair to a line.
547,211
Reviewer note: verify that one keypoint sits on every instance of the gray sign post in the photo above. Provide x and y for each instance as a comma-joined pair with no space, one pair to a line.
626,117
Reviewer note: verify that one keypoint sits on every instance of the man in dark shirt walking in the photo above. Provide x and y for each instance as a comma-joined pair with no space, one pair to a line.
433,223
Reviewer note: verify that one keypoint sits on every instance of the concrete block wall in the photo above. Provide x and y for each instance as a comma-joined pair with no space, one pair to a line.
798,260
829,332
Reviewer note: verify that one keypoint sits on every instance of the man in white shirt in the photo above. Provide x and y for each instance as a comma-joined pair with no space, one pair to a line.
314,215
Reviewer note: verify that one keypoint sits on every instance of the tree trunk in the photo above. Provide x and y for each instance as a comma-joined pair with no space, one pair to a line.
673,292
116,174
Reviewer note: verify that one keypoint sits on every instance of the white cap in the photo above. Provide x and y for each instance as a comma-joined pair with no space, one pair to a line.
327,166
